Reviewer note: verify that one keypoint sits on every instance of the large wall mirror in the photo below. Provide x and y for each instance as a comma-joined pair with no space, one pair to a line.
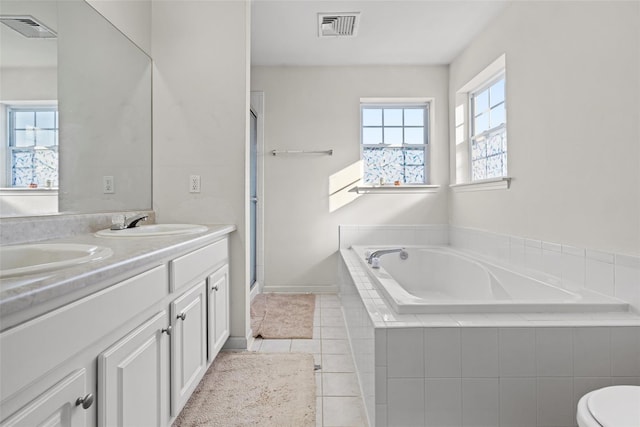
75,112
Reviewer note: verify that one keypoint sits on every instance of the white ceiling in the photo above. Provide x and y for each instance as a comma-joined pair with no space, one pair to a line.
284,32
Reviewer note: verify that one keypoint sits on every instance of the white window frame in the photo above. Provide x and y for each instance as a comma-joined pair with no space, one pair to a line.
10,135
461,146
491,131
400,103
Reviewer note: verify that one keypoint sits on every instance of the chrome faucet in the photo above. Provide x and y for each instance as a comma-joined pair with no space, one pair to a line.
130,222
380,252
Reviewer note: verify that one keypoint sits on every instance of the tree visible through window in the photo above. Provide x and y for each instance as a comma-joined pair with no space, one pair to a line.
33,146
394,143
488,131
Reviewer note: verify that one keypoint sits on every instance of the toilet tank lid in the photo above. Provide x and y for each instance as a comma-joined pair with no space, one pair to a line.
616,406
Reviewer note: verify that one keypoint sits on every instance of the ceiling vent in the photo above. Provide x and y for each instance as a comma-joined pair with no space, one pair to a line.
28,26
338,24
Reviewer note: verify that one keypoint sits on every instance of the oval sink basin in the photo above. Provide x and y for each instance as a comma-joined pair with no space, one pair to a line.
16,260
154,230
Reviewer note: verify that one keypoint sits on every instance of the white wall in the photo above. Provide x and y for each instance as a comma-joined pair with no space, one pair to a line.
133,18
318,108
573,90
200,121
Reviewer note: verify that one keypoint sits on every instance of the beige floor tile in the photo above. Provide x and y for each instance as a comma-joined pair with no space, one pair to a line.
333,332
275,346
318,375
256,344
332,321
337,363
343,412
340,384
319,412
334,347
331,312
305,346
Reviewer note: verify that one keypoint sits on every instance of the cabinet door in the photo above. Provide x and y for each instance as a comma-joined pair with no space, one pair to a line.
61,405
218,310
188,344
133,377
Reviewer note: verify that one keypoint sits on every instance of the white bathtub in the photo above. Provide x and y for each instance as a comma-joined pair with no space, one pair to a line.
443,280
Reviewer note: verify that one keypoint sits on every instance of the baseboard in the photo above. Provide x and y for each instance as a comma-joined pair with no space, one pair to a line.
238,343
257,289
301,289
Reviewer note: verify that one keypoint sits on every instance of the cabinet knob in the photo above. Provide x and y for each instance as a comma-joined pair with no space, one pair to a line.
167,330
86,401
182,316
214,288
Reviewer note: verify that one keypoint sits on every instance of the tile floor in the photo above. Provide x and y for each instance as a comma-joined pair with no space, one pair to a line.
338,401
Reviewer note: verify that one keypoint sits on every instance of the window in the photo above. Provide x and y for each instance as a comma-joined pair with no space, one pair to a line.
33,146
488,130
394,143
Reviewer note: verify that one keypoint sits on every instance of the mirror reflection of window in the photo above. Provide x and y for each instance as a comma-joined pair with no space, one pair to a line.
32,147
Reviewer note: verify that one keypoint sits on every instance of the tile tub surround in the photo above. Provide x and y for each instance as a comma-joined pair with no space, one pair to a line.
26,297
481,369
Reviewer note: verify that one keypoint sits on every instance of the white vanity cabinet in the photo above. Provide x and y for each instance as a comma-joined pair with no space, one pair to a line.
63,405
133,377
217,311
188,345
130,354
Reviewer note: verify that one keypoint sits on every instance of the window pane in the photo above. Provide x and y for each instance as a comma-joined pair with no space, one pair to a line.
46,167
393,164
25,138
498,115
414,135
481,123
497,92
21,168
414,157
414,175
393,116
45,137
481,102
393,136
371,117
479,169
24,119
494,166
414,117
494,144
371,135
478,149
46,119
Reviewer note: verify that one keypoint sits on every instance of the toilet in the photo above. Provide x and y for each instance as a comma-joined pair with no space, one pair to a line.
616,406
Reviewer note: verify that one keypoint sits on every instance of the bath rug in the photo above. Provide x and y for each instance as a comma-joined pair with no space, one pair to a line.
254,389
282,316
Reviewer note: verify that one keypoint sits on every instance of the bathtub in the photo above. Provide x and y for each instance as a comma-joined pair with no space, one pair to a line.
438,279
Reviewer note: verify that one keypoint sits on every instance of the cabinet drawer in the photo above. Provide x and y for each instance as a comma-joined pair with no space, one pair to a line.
57,406
32,349
196,265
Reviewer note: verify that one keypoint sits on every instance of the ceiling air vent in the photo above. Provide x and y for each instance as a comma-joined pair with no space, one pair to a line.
338,24
28,26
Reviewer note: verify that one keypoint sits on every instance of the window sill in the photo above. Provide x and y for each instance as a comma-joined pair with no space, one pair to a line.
503,183
394,189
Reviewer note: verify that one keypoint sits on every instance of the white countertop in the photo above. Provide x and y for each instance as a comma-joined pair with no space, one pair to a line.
26,297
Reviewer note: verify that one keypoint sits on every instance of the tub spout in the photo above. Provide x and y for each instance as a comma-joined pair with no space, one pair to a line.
377,254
